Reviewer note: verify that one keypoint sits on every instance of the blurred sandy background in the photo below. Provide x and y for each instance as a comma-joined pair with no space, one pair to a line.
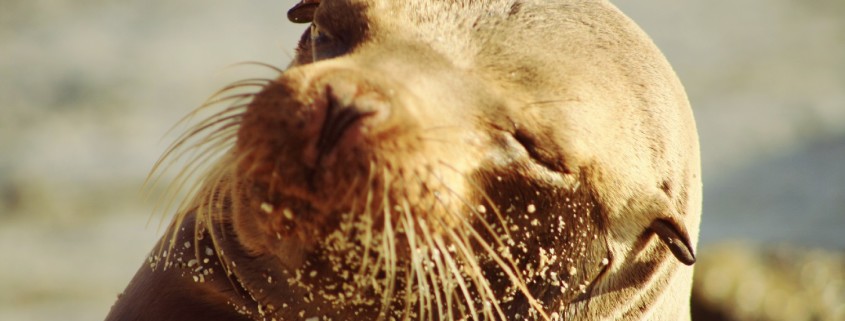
88,89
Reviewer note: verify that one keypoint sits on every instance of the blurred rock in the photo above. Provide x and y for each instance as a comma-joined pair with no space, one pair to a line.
742,282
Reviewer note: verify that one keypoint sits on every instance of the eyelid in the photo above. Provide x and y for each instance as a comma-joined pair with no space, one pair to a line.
538,153
324,45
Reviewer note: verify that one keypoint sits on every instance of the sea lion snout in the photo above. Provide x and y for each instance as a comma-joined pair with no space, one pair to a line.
345,137
313,119
307,138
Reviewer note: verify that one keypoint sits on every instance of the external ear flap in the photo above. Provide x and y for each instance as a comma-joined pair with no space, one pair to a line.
675,236
303,12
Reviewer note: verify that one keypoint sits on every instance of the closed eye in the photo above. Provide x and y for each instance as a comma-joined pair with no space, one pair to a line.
549,159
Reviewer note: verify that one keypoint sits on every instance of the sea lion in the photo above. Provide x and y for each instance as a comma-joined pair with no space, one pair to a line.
440,160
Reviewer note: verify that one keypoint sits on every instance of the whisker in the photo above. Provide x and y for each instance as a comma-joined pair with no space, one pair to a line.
440,275
252,87
519,282
409,293
483,220
173,153
171,156
260,64
190,169
469,258
367,216
388,248
212,101
477,188
510,270
187,206
416,262
232,110
548,103
456,272
218,100
225,133
477,274
244,83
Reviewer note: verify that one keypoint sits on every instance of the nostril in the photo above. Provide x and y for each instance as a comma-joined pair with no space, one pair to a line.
345,107
339,118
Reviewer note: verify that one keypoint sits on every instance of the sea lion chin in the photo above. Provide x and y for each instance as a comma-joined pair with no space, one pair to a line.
428,160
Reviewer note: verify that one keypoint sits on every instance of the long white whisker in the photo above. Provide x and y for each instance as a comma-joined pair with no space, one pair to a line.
456,272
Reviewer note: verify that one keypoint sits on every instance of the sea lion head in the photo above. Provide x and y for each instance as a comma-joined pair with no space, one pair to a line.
457,160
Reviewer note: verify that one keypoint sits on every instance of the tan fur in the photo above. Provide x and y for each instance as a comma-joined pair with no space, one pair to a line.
446,160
